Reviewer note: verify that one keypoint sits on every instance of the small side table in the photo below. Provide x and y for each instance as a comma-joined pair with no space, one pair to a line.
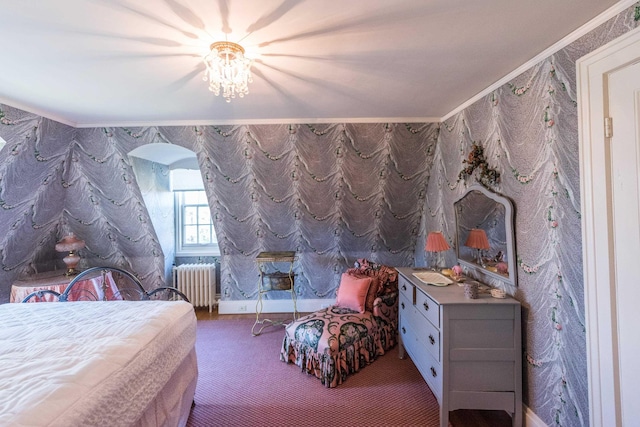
94,288
50,280
274,281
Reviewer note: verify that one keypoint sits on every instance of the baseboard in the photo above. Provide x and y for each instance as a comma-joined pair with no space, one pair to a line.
531,419
273,306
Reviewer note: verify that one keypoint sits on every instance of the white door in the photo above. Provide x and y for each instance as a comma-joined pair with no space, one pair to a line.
609,86
624,110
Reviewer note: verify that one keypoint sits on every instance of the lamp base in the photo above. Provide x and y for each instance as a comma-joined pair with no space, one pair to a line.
71,272
479,259
71,261
435,261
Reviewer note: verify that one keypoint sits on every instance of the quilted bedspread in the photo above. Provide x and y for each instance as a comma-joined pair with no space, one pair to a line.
88,363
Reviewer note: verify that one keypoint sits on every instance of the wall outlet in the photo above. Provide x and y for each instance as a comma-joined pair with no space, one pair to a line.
243,307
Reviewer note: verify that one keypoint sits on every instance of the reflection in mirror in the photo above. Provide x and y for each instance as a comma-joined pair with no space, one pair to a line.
484,234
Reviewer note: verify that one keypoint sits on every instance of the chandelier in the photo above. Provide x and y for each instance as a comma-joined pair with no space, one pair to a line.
228,70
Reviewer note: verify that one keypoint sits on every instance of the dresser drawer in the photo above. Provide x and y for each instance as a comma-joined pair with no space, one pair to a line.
428,308
409,340
405,307
432,373
418,346
427,334
429,368
407,289
406,331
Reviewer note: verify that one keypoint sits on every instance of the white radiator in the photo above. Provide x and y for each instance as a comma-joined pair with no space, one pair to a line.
197,282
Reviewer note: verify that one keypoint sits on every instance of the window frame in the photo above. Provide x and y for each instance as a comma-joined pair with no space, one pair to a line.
182,249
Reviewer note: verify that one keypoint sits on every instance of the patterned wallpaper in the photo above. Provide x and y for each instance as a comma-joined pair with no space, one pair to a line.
529,131
334,193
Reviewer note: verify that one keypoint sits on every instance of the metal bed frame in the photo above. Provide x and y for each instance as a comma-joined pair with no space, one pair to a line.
123,286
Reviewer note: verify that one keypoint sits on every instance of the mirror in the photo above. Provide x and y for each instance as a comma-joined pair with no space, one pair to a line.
481,209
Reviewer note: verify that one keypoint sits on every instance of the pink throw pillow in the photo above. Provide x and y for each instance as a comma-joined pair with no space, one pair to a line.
352,292
374,288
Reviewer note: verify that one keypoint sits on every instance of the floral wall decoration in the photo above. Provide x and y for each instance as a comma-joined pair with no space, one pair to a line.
333,193
487,175
529,129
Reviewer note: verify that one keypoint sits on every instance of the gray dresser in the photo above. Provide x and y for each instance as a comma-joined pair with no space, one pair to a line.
468,350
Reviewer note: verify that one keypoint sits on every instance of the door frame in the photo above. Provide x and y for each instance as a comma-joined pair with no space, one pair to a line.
597,236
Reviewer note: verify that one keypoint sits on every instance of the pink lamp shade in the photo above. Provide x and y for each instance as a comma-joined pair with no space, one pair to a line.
436,242
70,244
477,239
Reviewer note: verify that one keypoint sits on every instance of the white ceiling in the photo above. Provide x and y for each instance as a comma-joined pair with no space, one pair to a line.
125,62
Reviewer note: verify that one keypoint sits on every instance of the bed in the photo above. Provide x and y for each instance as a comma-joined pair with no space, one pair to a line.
98,363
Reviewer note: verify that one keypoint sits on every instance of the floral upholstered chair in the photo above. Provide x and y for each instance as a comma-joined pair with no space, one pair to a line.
341,339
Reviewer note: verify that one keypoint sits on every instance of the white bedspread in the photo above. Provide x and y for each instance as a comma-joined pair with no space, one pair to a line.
88,363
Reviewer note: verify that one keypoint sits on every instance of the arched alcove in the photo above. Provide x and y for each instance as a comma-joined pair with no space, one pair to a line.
152,164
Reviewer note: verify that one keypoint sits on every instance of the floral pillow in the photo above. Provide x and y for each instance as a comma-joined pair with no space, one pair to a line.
387,276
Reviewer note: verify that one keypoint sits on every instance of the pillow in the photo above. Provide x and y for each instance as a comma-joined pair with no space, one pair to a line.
374,288
352,292
387,276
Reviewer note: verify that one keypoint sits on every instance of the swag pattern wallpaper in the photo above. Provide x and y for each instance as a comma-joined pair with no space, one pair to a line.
334,193
528,130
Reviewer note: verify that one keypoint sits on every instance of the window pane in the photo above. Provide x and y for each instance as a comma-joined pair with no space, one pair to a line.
204,232
190,215
204,215
190,235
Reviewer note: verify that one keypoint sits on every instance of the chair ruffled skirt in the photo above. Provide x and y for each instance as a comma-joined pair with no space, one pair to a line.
335,342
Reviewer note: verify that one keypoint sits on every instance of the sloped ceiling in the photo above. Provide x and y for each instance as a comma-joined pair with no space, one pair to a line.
123,62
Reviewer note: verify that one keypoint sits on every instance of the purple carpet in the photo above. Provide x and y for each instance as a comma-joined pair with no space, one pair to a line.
242,382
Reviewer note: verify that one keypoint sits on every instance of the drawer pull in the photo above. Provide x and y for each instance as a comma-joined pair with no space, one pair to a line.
433,372
426,306
404,331
404,287
402,305
432,340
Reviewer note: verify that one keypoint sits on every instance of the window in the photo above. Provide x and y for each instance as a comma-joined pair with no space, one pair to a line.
195,234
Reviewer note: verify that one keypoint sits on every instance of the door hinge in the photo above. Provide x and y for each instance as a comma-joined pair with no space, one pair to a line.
608,127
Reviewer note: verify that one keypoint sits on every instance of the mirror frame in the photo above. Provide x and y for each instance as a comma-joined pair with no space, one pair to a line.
509,234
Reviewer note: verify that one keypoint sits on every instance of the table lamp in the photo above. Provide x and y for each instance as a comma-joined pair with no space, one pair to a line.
436,244
477,240
70,244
